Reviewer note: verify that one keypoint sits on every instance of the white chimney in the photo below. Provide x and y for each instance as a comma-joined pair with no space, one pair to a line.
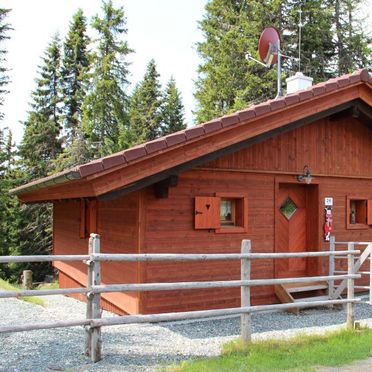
298,82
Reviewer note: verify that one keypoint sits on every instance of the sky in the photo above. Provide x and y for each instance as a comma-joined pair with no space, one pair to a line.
165,30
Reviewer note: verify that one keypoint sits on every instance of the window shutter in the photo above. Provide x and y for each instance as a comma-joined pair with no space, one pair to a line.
207,212
369,212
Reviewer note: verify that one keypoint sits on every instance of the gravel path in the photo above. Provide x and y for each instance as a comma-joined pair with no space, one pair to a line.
142,347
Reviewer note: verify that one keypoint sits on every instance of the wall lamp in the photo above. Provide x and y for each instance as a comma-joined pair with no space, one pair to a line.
305,176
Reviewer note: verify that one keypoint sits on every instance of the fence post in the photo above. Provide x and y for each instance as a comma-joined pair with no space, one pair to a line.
350,287
245,318
27,279
89,310
331,283
96,340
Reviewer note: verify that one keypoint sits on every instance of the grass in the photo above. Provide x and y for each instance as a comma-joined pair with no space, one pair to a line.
303,353
12,287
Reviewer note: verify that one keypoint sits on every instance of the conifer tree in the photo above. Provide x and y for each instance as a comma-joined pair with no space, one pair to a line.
40,145
41,142
227,81
4,79
145,106
106,106
332,44
173,112
75,66
352,42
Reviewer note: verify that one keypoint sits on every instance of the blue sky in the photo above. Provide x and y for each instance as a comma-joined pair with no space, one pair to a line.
165,30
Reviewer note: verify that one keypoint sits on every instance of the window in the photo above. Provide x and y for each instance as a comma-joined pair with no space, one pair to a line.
358,213
225,213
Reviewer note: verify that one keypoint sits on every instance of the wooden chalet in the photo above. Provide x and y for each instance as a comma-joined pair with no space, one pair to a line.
262,173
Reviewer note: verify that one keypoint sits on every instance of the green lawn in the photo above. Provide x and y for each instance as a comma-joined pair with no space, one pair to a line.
302,353
11,287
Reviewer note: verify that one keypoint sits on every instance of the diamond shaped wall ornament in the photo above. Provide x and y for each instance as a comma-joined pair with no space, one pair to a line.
288,208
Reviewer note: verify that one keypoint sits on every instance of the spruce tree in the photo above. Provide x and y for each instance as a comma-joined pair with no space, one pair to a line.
75,66
173,112
40,146
106,106
332,43
145,107
4,79
41,142
351,41
227,81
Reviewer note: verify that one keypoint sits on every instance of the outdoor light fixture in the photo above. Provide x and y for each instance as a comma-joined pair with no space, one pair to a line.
305,176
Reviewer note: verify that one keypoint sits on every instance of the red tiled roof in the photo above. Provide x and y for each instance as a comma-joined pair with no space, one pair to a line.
122,158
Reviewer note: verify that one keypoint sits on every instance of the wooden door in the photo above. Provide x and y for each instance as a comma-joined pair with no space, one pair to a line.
291,234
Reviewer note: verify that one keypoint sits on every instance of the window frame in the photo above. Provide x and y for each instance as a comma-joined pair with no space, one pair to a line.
358,225
243,226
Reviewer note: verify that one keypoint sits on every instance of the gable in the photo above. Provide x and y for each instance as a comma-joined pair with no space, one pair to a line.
340,147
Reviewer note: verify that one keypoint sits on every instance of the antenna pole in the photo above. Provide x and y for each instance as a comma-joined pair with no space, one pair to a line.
300,25
279,72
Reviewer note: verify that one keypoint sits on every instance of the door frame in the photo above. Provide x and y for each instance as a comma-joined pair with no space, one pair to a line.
313,238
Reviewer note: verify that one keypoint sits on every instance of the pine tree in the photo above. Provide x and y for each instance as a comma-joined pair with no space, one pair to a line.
4,79
41,142
145,106
75,67
40,146
352,43
173,112
227,81
332,44
105,108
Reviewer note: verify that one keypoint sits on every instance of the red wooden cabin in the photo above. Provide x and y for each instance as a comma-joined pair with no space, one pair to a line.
206,188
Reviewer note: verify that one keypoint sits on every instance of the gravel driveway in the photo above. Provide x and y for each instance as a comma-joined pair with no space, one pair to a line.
142,347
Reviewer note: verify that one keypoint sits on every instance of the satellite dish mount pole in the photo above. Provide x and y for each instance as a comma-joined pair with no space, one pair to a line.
279,71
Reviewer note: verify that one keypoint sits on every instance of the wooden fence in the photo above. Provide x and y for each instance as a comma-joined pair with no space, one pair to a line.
94,322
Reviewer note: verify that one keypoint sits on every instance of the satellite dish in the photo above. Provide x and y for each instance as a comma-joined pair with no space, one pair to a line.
269,46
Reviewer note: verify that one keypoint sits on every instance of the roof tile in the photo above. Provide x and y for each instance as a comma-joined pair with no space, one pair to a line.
247,114
343,81
364,75
134,153
194,132
156,145
113,160
212,126
175,138
291,99
305,94
277,103
262,108
318,89
91,168
229,120
331,85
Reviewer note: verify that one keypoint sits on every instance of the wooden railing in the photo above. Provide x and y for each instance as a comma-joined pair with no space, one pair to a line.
94,322
356,262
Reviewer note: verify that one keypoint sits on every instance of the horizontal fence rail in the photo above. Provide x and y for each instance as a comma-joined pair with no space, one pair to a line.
170,256
171,286
93,321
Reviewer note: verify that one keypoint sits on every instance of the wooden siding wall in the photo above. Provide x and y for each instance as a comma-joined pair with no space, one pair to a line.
117,223
342,147
329,147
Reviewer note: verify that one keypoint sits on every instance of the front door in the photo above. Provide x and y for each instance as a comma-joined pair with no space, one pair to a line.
291,229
